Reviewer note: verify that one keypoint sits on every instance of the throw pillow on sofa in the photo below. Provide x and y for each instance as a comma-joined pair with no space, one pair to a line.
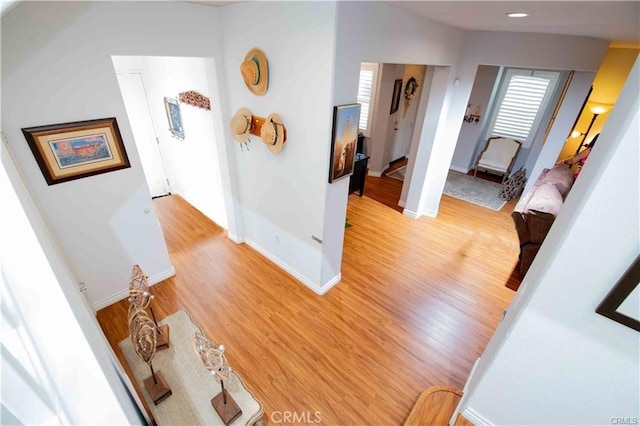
562,177
546,199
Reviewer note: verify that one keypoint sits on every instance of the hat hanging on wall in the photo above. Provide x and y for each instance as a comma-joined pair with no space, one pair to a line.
241,125
255,71
273,133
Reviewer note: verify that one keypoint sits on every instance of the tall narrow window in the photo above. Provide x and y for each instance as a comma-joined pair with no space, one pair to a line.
524,94
366,94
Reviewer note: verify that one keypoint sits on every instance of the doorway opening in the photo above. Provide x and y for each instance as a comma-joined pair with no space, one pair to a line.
391,106
186,162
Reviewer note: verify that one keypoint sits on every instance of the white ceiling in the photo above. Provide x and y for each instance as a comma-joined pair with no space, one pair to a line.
616,21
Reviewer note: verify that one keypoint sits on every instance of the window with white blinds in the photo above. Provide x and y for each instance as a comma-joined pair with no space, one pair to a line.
524,93
366,94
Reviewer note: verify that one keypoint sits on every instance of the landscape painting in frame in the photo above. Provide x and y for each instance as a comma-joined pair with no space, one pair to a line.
76,150
344,141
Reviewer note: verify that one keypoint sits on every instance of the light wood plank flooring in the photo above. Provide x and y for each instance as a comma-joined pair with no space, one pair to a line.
417,304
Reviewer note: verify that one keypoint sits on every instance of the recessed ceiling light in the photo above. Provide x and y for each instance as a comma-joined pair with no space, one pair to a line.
517,15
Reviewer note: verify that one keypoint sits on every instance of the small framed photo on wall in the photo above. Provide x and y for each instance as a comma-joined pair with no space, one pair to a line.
344,141
175,118
395,101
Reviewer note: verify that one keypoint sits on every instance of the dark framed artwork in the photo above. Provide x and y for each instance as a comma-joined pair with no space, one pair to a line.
175,118
76,150
344,138
622,304
395,101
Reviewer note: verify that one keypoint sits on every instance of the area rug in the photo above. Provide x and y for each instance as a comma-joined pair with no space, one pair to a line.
474,190
398,173
191,383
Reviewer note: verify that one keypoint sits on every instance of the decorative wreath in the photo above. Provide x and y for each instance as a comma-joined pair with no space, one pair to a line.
410,89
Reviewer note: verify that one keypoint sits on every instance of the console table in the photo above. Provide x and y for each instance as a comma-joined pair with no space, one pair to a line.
359,174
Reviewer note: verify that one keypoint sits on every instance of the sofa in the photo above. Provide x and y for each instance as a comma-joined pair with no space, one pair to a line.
536,210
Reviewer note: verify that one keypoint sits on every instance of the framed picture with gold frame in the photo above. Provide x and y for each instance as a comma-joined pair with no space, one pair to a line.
77,150
344,138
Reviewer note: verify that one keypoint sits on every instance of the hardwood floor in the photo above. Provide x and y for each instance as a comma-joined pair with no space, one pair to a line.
417,304
387,190
384,189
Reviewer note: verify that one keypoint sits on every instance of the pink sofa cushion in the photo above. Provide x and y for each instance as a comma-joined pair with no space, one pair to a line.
562,177
546,198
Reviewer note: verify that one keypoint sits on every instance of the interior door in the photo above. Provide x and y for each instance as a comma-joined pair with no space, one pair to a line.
401,138
135,101
406,118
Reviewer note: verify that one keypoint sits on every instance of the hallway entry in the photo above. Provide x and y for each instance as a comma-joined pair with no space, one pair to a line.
188,162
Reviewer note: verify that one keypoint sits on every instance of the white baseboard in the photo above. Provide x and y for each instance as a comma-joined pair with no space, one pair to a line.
430,213
463,401
320,290
475,417
411,214
155,279
459,169
328,285
235,238
471,374
378,174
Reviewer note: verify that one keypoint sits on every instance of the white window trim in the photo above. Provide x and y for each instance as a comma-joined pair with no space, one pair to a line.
552,76
370,112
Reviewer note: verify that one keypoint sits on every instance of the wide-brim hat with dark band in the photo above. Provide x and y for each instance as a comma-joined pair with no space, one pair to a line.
273,133
255,71
241,125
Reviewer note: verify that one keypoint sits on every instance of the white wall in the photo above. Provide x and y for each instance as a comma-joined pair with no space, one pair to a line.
544,156
63,72
469,140
283,195
554,360
193,163
43,309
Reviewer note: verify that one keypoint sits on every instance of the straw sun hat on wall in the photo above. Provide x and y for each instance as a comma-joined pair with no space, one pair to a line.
255,71
241,125
272,133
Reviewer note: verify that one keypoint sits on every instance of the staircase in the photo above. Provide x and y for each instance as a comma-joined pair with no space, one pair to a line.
435,406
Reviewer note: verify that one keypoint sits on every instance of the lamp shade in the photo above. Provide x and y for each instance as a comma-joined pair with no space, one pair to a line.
598,109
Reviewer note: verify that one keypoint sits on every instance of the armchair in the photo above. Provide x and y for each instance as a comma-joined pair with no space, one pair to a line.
498,156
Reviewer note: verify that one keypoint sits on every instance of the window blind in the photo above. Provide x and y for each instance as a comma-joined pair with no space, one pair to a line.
519,107
367,94
364,95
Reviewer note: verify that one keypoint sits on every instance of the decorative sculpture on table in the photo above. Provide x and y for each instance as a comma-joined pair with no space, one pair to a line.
143,337
140,298
213,359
